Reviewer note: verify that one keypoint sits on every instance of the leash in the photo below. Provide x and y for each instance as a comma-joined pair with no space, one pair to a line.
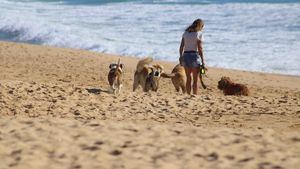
203,71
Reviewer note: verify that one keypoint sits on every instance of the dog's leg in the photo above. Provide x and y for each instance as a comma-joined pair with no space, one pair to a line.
177,88
135,85
111,89
135,81
183,88
146,89
114,88
119,85
147,86
119,89
157,86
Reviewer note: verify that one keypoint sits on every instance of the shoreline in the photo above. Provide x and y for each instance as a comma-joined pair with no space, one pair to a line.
158,60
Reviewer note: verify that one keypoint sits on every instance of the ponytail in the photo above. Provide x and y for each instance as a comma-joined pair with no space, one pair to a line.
193,27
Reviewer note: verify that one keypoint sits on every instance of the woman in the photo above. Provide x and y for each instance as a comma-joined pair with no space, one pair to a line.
190,53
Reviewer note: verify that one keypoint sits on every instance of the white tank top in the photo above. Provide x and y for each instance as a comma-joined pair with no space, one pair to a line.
190,40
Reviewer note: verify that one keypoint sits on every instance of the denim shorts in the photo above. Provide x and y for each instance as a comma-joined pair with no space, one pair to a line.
191,60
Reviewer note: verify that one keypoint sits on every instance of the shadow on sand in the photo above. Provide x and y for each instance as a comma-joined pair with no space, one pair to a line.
97,91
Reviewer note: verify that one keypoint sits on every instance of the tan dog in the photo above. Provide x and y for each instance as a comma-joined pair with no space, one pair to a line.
115,77
146,75
230,88
178,78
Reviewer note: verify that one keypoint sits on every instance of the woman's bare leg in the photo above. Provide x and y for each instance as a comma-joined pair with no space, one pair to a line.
188,80
195,72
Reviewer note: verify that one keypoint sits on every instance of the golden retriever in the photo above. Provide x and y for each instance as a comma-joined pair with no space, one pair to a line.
146,75
178,78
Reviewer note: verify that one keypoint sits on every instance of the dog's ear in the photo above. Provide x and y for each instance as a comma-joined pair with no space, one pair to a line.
110,66
151,73
121,65
225,78
159,67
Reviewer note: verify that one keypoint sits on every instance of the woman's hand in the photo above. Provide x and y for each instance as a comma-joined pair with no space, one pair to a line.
203,65
180,60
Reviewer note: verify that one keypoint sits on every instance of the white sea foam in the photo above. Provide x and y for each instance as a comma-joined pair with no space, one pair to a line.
257,37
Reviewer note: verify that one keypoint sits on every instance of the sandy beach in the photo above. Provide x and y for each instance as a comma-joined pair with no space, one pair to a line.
55,113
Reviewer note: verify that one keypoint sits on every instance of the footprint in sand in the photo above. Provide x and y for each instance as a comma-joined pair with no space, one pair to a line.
246,159
229,157
296,139
16,152
265,165
295,126
127,144
89,148
98,143
28,106
212,157
16,155
76,112
116,152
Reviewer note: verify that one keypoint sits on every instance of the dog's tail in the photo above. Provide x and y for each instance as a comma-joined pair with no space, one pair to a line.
118,66
166,75
142,63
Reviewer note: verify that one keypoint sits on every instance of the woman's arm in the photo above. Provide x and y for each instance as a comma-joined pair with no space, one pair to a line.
181,50
200,51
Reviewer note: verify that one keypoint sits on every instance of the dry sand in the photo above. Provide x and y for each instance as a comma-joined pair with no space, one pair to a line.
55,113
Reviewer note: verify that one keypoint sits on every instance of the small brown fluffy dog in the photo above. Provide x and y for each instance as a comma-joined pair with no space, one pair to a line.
115,77
230,88
146,75
178,78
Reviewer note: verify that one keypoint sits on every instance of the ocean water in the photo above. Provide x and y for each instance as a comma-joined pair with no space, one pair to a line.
255,35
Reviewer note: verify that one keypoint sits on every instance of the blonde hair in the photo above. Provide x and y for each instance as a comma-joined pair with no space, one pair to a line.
196,26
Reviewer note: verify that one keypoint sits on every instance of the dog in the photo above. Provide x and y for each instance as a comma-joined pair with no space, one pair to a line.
115,77
230,88
178,78
147,76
